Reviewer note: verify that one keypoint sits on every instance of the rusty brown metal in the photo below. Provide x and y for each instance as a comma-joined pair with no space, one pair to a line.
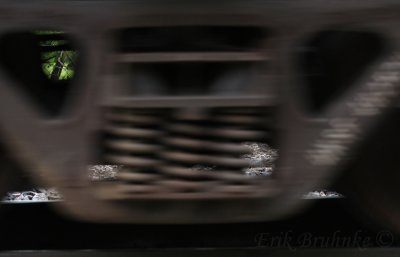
160,112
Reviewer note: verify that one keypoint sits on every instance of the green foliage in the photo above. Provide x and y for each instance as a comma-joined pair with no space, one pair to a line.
58,65
66,59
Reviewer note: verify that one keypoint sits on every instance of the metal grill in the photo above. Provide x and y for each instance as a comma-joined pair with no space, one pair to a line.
181,152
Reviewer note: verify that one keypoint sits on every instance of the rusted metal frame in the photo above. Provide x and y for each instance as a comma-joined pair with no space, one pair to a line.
283,176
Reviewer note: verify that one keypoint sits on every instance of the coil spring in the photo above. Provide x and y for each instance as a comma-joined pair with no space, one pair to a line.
161,148
133,139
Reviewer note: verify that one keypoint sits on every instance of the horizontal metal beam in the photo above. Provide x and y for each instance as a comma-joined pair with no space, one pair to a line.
233,252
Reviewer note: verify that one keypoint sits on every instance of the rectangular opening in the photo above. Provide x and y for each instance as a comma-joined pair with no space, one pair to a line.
190,38
188,78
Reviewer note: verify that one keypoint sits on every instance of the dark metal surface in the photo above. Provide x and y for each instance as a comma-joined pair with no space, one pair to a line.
162,109
39,227
327,229
391,252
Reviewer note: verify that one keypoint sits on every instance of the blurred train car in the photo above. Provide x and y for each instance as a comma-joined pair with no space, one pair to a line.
161,86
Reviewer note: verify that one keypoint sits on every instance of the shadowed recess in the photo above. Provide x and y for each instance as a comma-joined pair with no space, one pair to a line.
43,63
331,62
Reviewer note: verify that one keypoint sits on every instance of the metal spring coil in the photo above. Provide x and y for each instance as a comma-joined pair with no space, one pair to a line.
162,149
